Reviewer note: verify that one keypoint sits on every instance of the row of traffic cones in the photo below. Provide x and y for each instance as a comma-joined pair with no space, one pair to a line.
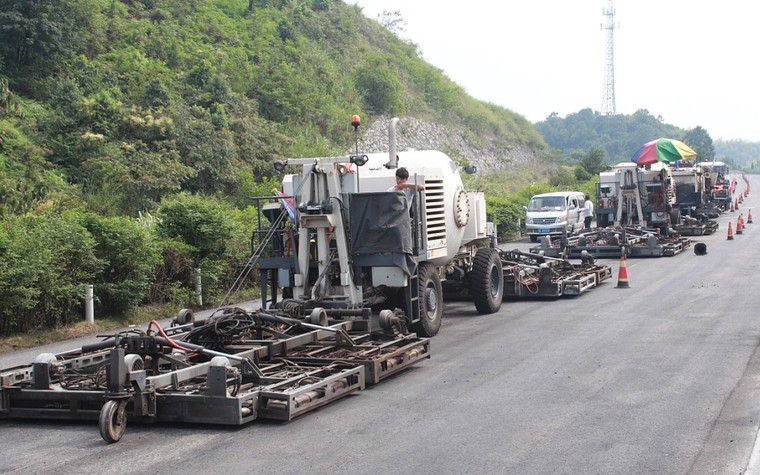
740,220
739,225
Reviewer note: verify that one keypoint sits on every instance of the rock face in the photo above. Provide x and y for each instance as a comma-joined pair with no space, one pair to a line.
487,153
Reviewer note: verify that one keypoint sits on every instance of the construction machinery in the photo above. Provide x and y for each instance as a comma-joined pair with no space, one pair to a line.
348,244
630,195
719,184
230,369
610,242
353,275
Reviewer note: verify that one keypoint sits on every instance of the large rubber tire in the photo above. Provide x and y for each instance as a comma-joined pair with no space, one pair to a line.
533,238
487,281
430,301
113,420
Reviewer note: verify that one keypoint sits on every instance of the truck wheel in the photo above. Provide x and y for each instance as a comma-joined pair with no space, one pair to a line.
431,301
533,238
487,281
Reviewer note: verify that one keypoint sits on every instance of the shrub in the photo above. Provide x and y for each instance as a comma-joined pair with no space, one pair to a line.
130,257
46,261
197,232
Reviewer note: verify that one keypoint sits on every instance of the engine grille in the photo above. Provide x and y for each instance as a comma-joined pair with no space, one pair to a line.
436,216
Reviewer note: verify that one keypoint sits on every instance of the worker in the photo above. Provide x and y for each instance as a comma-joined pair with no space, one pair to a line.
588,213
402,177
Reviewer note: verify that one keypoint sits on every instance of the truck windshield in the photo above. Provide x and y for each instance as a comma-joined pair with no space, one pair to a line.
547,203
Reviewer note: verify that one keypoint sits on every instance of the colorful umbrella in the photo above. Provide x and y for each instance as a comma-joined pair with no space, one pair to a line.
662,150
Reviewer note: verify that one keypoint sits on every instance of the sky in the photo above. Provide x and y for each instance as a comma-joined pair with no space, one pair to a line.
692,63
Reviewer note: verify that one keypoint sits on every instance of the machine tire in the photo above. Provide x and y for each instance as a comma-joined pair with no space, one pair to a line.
533,238
430,301
487,281
113,420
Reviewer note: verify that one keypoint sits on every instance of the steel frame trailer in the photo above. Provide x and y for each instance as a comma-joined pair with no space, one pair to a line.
615,242
533,275
227,370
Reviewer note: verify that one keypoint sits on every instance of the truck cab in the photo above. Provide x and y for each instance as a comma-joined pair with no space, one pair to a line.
554,214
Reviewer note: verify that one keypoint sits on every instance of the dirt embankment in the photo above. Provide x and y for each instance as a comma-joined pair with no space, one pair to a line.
487,153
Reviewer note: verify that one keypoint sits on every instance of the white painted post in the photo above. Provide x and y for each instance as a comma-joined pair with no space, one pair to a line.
89,304
198,287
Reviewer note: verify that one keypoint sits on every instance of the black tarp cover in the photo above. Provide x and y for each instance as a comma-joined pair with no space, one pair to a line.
380,224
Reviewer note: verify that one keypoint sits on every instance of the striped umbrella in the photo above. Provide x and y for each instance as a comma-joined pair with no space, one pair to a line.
662,150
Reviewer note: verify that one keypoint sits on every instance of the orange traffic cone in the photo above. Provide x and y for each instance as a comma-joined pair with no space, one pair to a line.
749,216
622,274
741,198
730,232
739,225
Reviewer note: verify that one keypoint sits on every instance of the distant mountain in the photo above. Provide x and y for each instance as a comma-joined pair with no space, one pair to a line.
620,135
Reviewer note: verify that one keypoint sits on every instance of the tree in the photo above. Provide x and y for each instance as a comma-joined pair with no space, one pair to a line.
594,161
37,33
393,22
699,140
8,102
380,86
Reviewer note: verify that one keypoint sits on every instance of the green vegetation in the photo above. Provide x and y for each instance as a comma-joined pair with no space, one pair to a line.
739,153
134,132
620,136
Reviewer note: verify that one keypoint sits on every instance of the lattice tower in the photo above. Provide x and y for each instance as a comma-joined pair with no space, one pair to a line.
608,93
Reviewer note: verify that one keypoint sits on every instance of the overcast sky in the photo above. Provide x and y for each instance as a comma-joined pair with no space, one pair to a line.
690,62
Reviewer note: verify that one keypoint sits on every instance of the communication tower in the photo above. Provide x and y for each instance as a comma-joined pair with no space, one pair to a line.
608,94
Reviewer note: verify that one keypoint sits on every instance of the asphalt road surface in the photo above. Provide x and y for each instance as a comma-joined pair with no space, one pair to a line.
660,378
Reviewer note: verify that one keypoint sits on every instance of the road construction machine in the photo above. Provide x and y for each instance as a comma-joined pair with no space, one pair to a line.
718,183
341,239
632,195
353,276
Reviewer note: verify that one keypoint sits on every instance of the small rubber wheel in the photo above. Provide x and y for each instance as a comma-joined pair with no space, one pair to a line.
185,316
113,420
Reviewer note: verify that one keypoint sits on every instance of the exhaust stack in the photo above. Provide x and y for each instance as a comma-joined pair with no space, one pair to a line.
392,160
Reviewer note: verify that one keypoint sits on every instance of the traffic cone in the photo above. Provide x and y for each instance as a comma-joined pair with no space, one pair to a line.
739,225
730,232
732,207
741,199
622,282
749,216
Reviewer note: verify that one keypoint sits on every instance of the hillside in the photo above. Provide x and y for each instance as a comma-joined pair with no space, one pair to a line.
131,101
133,134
